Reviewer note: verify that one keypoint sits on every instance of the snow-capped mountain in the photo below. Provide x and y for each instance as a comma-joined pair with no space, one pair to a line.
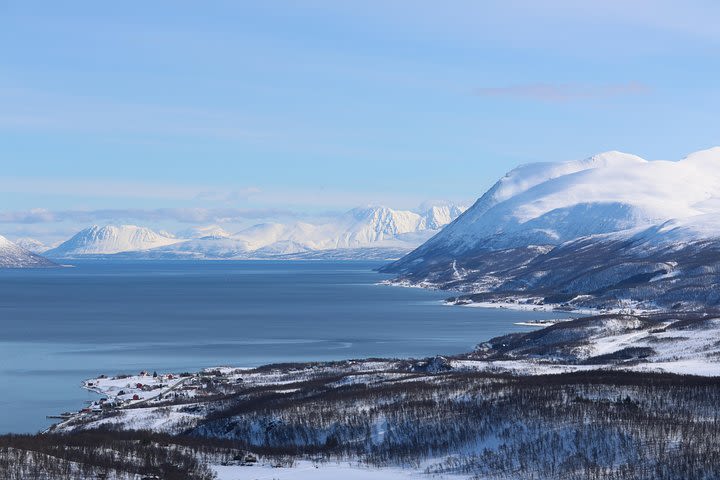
202,248
264,235
362,226
31,244
376,227
437,216
110,239
582,228
214,231
14,256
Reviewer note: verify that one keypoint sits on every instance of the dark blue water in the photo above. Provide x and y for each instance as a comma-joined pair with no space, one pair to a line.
58,327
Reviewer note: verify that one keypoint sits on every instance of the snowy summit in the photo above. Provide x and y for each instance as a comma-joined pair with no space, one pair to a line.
14,256
108,240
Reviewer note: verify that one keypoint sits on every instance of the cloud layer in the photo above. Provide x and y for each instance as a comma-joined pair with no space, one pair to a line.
181,215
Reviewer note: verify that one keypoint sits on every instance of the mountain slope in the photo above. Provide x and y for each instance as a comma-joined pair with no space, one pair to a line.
109,239
14,256
206,231
31,244
607,229
437,216
357,228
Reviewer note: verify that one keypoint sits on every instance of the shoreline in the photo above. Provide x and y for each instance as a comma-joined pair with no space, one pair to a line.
373,397
247,403
602,337
521,303
518,367
552,307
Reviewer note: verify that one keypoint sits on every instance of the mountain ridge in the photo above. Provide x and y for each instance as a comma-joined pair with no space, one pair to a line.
14,256
109,239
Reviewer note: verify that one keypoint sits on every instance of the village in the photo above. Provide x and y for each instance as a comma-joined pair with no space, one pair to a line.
150,389
171,402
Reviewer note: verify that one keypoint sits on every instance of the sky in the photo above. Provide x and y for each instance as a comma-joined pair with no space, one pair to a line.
173,114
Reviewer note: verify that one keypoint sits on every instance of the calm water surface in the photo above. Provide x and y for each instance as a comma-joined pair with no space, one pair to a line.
58,327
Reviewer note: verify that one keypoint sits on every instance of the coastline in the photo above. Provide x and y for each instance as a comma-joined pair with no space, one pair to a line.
525,303
591,343
518,366
508,305
250,405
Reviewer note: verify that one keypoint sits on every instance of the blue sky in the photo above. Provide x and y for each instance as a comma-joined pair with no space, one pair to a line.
180,113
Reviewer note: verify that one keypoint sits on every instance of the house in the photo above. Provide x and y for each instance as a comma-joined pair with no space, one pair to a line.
138,385
136,397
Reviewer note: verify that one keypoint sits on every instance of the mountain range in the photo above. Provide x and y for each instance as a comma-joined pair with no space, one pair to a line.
368,232
611,230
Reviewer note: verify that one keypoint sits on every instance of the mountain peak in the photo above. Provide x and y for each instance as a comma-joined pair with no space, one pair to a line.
614,158
214,231
31,244
708,158
109,239
14,256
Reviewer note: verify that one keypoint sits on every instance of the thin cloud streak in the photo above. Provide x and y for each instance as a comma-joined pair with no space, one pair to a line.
549,92
181,215
310,199
104,188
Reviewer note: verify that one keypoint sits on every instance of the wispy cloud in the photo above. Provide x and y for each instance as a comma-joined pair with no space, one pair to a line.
95,192
564,92
126,189
232,196
181,215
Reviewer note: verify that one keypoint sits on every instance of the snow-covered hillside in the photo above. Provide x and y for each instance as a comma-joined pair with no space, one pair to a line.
110,239
374,226
31,244
437,216
215,231
358,228
365,227
14,256
377,228
604,220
